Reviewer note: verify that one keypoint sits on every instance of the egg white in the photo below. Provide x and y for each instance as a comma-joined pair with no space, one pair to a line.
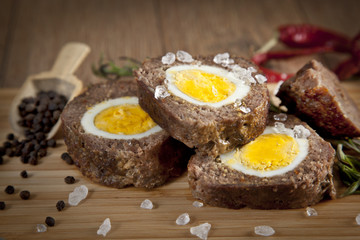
87,121
242,89
303,152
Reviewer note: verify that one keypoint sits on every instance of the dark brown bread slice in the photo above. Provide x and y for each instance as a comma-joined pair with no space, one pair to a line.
219,185
205,127
147,162
317,97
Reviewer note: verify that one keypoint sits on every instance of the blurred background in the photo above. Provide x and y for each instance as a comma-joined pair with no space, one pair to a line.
33,32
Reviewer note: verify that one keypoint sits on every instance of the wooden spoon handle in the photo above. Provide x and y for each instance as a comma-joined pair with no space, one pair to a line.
69,58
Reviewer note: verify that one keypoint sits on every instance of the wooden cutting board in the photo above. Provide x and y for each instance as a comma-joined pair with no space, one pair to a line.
335,220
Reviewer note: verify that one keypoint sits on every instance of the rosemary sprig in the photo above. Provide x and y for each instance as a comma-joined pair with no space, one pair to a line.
349,166
109,70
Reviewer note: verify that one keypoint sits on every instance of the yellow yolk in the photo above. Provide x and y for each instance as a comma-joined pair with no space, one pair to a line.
125,119
203,86
267,152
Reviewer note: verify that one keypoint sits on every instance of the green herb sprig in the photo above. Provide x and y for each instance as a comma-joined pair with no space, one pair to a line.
110,71
349,165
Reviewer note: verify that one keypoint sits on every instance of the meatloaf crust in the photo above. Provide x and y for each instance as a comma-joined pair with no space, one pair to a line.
316,96
204,127
219,185
147,162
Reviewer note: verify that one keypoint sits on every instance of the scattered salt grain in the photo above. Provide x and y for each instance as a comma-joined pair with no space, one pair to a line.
214,91
357,219
310,212
198,204
223,59
301,132
183,56
279,127
280,117
104,228
224,142
183,219
161,92
41,228
260,78
242,74
252,69
78,195
245,109
264,230
168,58
147,204
201,231
237,103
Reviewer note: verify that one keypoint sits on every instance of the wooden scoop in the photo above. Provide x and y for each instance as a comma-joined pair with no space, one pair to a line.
59,79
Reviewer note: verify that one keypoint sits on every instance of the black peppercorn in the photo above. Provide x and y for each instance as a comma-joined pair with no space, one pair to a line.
24,174
51,143
67,158
69,180
60,205
25,195
2,205
9,189
1,160
10,136
50,221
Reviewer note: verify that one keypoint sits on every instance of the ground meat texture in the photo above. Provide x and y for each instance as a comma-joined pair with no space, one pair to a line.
205,127
219,185
147,162
317,97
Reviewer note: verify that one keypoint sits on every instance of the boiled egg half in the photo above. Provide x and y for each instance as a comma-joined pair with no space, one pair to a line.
119,118
272,153
205,85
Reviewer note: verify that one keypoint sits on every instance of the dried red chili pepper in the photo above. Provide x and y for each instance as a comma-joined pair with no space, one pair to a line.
274,77
350,66
306,35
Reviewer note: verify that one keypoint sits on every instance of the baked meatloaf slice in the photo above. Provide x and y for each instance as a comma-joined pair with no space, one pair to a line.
206,125
305,183
143,162
317,97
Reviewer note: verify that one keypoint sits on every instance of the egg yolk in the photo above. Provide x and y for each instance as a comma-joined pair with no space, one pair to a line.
267,152
125,119
203,86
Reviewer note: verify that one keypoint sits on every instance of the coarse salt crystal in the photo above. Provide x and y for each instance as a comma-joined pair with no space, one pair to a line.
183,56
280,117
147,204
237,103
41,228
357,219
260,78
242,74
264,231
183,219
198,204
161,92
201,231
279,127
301,132
224,142
223,59
79,194
104,228
252,69
311,212
245,109
168,58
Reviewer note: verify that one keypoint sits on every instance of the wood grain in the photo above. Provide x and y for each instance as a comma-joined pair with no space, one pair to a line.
336,218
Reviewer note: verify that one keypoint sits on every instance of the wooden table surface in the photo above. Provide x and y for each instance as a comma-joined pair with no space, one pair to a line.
31,35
